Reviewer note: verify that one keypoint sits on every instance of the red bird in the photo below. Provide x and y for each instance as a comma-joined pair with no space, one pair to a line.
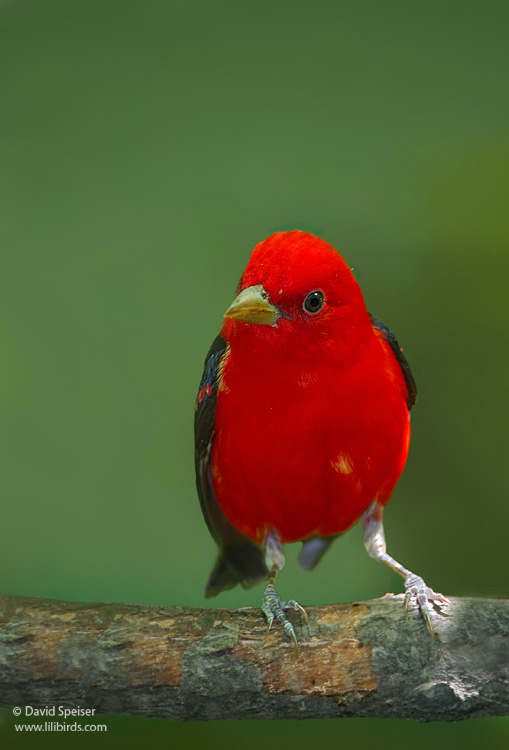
302,420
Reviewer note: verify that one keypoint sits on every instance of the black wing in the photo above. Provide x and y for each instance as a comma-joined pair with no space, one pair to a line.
385,333
240,560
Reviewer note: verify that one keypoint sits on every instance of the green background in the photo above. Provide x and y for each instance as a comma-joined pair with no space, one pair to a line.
145,148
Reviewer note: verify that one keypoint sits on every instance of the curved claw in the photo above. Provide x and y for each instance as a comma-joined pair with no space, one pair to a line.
273,607
293,604
425,597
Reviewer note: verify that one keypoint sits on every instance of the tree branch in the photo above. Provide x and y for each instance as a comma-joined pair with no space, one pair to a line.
361,659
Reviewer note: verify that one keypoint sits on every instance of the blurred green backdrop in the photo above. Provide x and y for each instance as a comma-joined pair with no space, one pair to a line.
145,148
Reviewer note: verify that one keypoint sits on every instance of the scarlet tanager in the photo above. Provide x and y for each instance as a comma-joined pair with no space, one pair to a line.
302,421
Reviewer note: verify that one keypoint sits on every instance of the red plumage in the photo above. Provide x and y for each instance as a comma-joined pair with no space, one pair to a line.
302,422
311,422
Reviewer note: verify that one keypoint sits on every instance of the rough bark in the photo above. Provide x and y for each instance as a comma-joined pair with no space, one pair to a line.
361,659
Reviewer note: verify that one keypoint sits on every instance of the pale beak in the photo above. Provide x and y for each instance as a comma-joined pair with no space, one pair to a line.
253,306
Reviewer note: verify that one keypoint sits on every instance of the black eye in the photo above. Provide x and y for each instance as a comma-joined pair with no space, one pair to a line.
314,302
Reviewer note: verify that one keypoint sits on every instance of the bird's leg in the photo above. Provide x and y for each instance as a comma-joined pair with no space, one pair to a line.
272,606
374,542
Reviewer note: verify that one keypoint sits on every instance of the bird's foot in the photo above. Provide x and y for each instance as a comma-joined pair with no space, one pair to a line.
426,599
273,608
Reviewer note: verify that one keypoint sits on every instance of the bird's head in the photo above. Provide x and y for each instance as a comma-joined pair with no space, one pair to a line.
297,285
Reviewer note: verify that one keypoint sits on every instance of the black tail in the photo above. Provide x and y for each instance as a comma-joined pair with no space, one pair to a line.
245,565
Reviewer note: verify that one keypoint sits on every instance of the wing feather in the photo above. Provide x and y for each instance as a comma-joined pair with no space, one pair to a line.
385,333
240,559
